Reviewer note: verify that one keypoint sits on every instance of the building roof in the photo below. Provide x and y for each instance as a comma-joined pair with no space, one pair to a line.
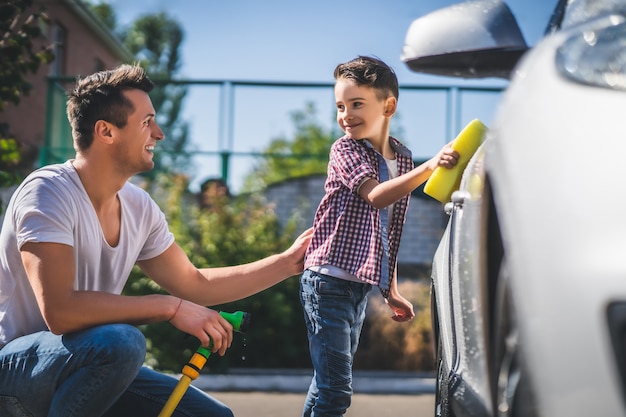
99,29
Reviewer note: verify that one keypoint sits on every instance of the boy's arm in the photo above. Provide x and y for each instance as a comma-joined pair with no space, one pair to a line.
401,307
381,195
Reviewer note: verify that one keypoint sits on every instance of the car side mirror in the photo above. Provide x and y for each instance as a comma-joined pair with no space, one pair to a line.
473,39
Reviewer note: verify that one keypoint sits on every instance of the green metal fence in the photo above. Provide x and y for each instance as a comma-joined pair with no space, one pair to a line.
457,104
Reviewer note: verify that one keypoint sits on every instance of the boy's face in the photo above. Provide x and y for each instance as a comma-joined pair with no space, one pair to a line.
361,114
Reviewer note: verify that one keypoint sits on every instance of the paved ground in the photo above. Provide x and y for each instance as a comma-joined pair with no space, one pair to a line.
281,393
297,381
276,404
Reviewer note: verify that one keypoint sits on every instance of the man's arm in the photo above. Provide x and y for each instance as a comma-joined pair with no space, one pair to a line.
173,271
50,269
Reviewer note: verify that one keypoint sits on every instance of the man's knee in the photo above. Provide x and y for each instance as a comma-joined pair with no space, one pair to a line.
122,345
123,340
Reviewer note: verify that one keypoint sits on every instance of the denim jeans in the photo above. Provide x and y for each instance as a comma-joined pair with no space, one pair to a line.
86,373
334,310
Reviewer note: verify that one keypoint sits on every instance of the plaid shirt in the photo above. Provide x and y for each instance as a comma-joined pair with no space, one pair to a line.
346,229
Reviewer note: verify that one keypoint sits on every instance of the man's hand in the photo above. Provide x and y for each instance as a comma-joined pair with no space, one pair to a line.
297,249
205,324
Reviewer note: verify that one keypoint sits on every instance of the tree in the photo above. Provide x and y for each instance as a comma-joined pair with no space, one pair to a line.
387,344
9,159
305,154
106,13
155,41
20,33
233,231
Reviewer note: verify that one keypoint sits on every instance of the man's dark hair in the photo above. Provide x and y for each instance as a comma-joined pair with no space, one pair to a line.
372,72
100,97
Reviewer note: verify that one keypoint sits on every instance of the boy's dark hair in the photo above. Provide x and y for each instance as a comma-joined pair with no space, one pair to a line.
372,72
99,97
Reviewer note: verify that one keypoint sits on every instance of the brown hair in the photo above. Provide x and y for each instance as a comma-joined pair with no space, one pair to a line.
100,97
372,72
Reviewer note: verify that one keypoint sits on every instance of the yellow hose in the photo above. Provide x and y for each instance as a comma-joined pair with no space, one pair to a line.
191,370
176,396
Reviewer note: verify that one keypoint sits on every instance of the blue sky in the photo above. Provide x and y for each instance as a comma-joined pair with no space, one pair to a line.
302,41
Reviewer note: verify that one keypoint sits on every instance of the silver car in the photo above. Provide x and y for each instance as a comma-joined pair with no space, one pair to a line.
529,279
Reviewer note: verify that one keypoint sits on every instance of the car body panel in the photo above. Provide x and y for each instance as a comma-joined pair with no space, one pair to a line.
551,165
491,45
562,217
459,297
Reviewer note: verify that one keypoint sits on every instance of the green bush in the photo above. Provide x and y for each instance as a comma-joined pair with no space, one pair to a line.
233,231
244,229
389,345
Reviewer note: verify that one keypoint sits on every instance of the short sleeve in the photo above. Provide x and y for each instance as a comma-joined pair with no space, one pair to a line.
42,215
351,163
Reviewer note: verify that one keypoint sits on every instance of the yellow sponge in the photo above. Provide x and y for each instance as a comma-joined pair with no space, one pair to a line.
444,181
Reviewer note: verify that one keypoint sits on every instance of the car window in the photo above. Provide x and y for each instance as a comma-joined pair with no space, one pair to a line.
582,10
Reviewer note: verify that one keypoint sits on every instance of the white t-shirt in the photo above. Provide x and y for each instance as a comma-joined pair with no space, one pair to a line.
51,205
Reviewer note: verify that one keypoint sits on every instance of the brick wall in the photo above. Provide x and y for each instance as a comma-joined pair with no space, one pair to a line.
84,52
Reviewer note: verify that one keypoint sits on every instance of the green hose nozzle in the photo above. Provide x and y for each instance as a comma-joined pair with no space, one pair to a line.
239,319
241,322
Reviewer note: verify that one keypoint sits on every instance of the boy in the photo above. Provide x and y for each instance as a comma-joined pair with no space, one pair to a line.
354,246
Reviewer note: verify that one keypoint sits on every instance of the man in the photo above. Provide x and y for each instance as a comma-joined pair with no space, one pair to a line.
71,235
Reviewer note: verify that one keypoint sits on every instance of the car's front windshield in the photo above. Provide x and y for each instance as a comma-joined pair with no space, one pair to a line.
582,10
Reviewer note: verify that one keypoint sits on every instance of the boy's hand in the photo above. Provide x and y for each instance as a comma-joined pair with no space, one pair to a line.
401,307
447,157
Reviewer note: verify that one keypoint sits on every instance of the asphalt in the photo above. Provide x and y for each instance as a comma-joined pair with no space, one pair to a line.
281,393
297,381
282,404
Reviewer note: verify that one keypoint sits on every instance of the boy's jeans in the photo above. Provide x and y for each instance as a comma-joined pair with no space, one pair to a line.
334,310
83,374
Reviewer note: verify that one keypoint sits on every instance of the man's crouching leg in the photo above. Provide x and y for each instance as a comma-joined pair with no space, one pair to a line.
73,375
103,362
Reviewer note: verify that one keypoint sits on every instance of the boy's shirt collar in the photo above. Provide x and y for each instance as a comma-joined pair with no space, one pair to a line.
395,144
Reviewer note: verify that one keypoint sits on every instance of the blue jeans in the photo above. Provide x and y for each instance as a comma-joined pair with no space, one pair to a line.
86,373
334,310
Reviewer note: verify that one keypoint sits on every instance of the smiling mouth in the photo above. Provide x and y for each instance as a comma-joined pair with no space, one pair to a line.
150,148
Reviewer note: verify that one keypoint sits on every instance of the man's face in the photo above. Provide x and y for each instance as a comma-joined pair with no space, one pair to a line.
138,138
